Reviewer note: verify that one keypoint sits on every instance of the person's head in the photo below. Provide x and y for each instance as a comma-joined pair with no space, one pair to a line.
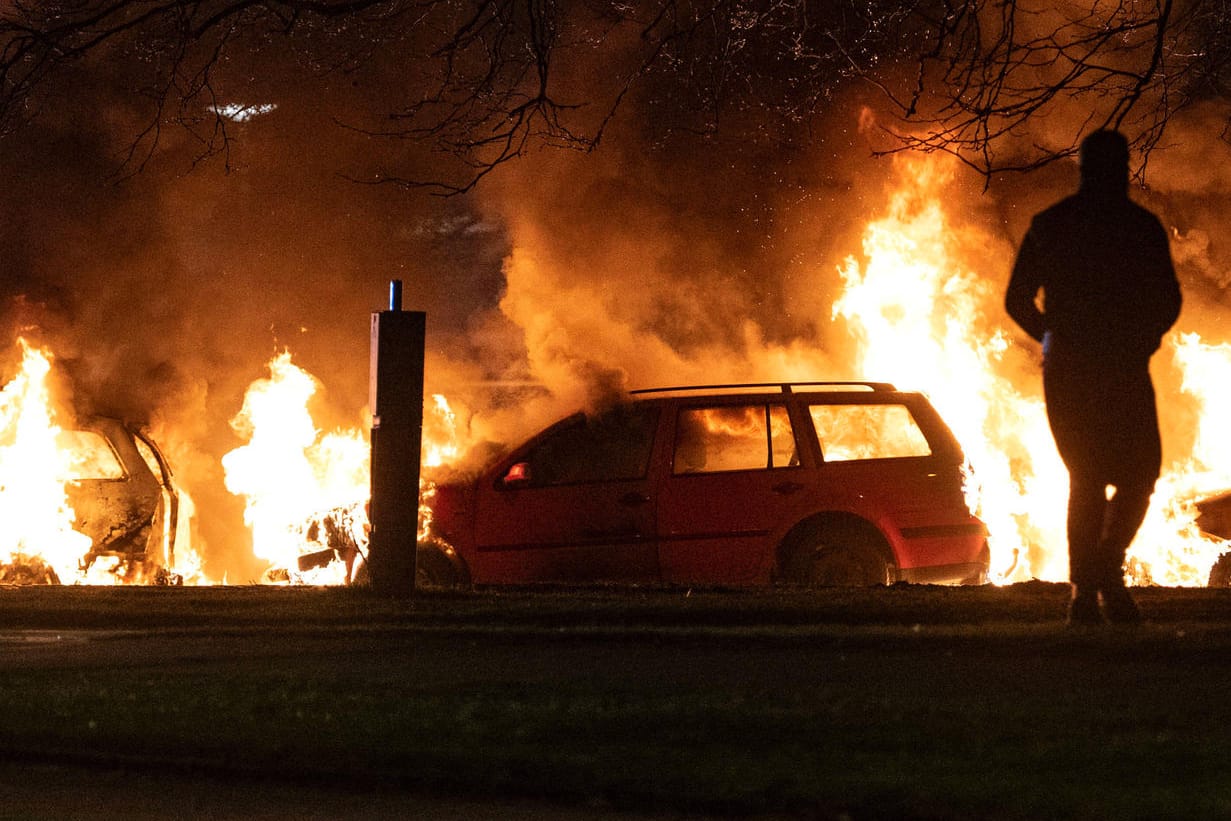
1104,163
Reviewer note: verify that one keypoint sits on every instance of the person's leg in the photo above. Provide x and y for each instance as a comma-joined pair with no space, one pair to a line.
1087,510
1125,513
1074,388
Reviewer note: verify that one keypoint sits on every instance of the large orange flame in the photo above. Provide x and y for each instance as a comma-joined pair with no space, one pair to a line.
291,475
33,469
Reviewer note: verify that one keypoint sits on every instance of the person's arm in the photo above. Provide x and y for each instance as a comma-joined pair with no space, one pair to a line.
1024,285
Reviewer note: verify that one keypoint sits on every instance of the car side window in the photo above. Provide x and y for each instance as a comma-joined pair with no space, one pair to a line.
90,456
873,431
733,437
614,446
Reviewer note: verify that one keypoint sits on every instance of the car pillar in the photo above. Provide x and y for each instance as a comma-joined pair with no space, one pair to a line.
396,399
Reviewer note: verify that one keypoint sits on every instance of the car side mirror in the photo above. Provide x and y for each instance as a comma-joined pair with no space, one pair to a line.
517,474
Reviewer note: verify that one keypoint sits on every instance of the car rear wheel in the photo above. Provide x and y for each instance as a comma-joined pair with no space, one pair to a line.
432,568
837,557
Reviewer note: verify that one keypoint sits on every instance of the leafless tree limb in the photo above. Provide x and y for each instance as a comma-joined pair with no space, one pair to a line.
488,79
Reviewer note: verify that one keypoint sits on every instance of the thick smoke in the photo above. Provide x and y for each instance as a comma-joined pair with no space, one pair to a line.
164,293
706,260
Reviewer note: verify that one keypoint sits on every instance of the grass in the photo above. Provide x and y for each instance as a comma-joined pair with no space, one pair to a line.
908,702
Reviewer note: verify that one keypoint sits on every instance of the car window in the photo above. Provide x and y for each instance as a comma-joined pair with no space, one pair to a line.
614,446
733,437
89,456
874,431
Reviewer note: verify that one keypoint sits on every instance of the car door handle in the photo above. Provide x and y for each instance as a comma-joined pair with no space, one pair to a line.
786,488
633,499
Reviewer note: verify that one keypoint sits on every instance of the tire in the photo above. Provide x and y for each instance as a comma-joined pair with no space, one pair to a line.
840,557
433,569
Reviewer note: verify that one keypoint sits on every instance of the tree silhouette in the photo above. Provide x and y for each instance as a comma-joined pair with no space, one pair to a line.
481,81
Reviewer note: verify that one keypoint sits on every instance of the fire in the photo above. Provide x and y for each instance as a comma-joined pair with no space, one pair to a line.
1170,549
921,308
42,464
442,445
33,473
441,433
305,491
924,319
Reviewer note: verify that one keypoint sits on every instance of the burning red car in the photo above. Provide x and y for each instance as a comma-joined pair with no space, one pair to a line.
804,483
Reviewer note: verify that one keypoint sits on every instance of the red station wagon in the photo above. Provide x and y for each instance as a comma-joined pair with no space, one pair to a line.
803,483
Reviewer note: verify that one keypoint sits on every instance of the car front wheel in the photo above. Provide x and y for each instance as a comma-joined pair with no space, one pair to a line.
434,569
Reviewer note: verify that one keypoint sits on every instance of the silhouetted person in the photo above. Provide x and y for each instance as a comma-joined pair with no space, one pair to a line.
1109,289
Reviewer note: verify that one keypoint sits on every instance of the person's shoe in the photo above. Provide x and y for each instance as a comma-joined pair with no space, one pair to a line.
1119,607
1083,609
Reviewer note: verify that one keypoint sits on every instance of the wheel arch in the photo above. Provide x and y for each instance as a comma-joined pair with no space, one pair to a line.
836,524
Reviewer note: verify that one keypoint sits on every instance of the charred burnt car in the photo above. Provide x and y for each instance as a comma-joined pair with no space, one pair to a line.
120,488
812,483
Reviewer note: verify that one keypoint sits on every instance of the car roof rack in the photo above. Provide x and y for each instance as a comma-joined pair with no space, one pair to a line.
785,387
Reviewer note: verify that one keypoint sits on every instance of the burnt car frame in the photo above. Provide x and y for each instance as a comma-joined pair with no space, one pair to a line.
124,499
812,483
126,502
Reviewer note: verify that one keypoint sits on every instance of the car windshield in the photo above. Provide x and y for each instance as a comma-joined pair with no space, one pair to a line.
90,456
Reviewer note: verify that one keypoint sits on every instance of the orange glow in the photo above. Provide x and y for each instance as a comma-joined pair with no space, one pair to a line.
442,446
33,472
921,304
39,462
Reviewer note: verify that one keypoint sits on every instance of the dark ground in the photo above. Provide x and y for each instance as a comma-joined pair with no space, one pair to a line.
905,702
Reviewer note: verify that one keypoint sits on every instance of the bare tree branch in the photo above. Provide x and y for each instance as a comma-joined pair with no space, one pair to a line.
988,81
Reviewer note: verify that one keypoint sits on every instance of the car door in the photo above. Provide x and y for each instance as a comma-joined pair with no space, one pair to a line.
575,505
113,495
734,484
